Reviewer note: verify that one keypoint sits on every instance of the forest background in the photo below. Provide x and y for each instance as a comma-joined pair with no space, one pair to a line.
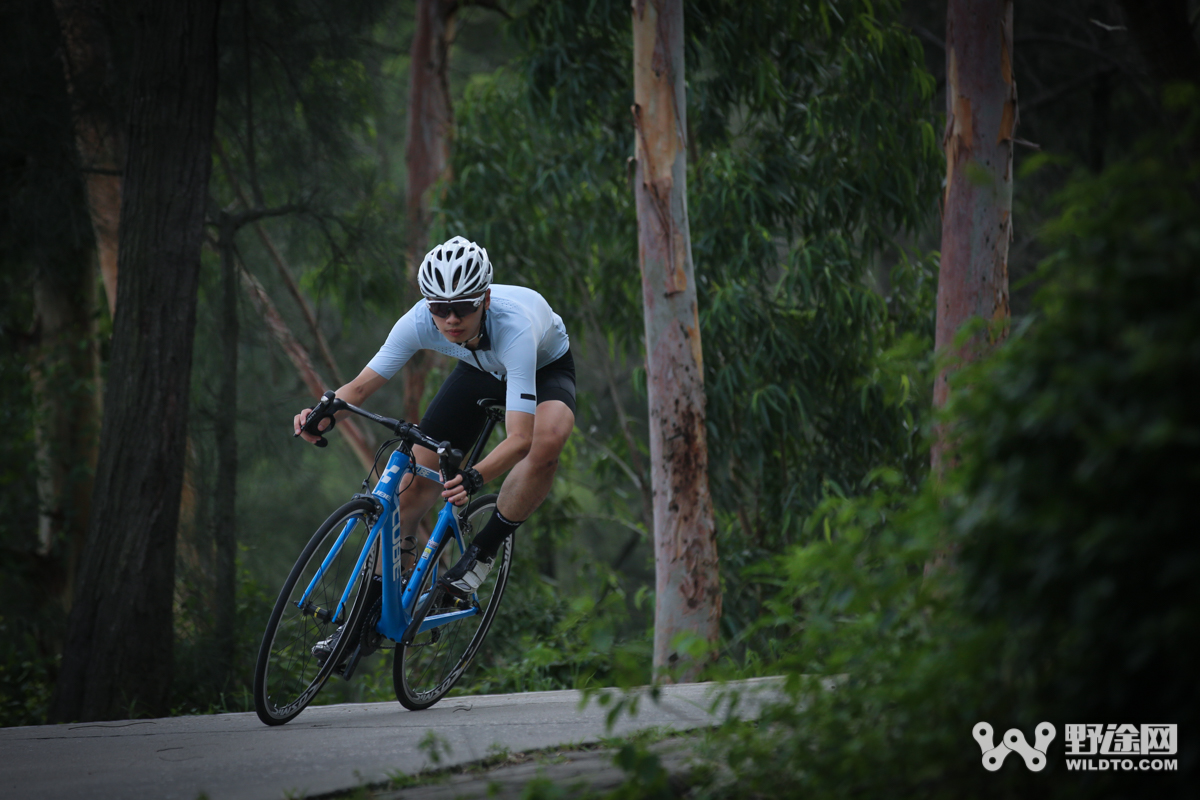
814,166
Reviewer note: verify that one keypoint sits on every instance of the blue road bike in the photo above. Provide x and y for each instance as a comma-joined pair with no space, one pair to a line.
435,635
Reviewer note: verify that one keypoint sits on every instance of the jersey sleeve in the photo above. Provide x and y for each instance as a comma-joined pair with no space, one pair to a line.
399,347
520,364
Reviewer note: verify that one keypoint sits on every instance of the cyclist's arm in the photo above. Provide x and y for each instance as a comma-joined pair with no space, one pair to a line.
504,456
355,393
358,390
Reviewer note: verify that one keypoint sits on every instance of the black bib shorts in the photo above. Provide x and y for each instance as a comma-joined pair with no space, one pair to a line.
455,415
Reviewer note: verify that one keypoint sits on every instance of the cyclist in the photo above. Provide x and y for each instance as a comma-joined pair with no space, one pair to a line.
511,347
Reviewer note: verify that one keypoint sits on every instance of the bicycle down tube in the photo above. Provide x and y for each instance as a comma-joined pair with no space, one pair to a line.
396,605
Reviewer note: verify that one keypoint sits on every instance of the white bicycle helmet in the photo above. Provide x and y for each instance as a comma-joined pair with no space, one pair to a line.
457,268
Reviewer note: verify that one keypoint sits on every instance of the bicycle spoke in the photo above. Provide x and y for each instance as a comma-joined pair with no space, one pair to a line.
288,675
425,670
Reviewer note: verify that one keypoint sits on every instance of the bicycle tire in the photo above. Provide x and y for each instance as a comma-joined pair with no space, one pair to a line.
425,670
287,676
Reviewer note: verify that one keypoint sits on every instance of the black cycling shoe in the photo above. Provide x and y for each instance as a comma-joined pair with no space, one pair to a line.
322,649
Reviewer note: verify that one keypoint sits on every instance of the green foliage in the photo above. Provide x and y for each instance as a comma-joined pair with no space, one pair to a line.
202,685
646,779
1069,591
302,100
27,676
545,640
812,147
1085,453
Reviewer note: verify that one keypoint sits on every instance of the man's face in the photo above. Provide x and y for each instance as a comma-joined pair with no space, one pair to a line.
461,329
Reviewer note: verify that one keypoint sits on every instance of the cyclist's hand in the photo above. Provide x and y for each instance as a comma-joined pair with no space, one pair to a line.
459,489
298,421
454,491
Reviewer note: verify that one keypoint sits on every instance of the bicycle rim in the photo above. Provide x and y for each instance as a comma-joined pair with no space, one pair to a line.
287,676
424,671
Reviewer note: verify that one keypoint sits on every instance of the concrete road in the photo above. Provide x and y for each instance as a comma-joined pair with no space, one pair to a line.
327,748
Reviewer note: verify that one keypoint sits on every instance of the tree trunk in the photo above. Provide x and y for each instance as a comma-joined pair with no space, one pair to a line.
64,369
981,115
90,74
117,661
68,430
225,502
688,599
427,155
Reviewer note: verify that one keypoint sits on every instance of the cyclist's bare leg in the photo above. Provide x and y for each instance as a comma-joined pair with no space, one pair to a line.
532,478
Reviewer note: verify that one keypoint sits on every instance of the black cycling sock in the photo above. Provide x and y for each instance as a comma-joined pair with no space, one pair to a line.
494,533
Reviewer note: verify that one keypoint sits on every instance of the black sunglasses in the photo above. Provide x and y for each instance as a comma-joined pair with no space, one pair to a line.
460,308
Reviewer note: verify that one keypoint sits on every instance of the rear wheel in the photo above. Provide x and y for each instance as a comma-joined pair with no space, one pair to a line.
424,671
287,676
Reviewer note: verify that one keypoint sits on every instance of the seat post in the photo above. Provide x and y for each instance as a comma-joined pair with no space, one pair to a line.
494,415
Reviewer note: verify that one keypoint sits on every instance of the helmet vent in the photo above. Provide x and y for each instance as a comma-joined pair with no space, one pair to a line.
455,268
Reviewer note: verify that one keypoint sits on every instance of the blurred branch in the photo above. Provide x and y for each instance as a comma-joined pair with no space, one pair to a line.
1066,41
254,214
281,266
300,359
608,451
609,518
250,156
924,33
491,5
1050,95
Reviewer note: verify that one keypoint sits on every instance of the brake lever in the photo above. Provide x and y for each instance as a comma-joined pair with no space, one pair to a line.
449,459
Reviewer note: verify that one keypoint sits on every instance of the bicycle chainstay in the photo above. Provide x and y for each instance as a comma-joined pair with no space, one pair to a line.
455,604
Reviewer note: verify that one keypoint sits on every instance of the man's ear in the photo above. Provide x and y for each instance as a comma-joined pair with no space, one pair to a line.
487,299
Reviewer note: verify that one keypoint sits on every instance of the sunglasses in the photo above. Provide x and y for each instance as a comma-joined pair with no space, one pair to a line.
460,308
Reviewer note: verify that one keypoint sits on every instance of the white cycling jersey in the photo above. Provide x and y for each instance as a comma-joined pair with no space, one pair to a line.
522,335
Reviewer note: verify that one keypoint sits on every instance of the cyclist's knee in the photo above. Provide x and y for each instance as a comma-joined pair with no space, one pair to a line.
544,452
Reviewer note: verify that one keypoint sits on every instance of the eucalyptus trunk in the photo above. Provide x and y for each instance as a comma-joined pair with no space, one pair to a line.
427,156
91,81
688,590
981,116
117,660
64,370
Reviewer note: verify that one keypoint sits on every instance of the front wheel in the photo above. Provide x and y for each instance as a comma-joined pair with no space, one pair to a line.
288,676
424,671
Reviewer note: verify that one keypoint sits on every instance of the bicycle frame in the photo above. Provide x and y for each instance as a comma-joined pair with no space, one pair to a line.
398,606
